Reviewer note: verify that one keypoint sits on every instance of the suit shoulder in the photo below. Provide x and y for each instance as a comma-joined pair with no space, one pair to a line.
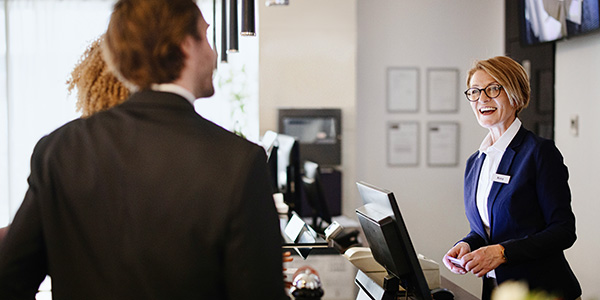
472,157
226,139
59,133
225,135
540,147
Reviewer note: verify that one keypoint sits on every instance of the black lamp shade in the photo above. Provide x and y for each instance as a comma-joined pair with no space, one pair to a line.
248,27
224,30
233,26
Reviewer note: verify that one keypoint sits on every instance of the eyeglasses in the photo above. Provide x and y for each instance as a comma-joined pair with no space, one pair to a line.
492,91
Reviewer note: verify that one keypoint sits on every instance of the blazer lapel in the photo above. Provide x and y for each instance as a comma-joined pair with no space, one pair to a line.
503,167
472,178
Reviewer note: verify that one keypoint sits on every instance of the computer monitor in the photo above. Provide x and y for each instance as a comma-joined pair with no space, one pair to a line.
390,243
315,196
318,130
269,143
284,165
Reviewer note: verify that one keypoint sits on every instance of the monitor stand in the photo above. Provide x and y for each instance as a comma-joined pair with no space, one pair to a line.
368,289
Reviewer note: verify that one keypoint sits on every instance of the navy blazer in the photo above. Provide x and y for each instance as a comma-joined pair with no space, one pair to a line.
530,216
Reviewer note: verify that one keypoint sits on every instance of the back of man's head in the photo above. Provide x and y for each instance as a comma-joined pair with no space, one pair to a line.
144,37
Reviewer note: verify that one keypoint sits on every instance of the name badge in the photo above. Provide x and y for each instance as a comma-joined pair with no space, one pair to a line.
501,178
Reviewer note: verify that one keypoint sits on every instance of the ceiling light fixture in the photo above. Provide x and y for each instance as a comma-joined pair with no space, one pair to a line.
224,31
277,2
233,27
248,24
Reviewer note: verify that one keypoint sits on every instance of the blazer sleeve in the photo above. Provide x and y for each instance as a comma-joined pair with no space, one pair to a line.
22,252
253,250
554,199
474,240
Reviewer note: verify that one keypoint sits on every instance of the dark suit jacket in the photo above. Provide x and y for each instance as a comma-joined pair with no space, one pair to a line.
147,200
530,216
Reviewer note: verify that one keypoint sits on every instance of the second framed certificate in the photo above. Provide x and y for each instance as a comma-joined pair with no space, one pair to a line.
442,90
402,89
403,143
442,143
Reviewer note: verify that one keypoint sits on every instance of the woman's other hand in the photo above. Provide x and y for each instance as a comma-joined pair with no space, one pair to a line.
484,259
458,251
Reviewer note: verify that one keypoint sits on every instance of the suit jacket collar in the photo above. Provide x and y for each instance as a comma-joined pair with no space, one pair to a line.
471,181
159,99
175,89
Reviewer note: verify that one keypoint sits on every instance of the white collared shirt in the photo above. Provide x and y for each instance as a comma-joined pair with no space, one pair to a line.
494,153
175,89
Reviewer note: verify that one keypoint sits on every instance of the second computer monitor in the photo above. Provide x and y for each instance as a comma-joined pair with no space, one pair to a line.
388,238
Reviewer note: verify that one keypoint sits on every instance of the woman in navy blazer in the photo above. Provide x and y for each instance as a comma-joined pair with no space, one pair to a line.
516,195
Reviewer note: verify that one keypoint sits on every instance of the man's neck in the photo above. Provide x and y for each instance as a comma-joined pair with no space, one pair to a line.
176,89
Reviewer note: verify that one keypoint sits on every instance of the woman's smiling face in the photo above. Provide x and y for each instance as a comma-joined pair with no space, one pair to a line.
495,114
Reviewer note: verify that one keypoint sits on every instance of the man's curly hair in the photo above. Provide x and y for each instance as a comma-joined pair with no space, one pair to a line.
98,88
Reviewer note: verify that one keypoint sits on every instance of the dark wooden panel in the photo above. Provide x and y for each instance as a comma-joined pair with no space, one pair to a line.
539,116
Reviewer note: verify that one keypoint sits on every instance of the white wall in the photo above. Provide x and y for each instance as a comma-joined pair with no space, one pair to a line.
307,59
577,78
423,34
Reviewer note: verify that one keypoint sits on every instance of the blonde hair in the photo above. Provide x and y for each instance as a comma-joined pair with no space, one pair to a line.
508,73
98,88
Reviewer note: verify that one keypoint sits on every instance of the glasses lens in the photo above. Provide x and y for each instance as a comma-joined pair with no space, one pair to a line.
472,94
493,90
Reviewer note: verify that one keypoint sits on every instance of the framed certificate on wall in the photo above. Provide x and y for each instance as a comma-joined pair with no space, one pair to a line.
442,90
442,143
403,143
402,89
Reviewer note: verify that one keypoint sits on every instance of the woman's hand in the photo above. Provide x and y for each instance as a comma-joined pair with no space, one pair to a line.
458,252
484,259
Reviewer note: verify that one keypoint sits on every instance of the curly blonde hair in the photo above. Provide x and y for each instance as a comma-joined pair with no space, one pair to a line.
98,88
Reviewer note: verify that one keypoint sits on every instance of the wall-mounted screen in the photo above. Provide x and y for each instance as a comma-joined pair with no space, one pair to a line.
552,20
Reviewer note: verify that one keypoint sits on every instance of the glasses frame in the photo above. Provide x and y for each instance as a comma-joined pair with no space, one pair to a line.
484,90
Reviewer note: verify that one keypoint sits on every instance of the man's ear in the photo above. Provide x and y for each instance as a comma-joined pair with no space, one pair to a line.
187,45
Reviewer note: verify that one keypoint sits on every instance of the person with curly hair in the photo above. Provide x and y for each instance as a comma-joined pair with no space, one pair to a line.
98,89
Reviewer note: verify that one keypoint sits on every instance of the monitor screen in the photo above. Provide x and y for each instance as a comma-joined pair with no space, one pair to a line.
286,146
317,130
284,166
269,143
315,196
388,238
553,20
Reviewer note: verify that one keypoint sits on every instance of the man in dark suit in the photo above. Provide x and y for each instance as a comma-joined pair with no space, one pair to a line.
148,200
